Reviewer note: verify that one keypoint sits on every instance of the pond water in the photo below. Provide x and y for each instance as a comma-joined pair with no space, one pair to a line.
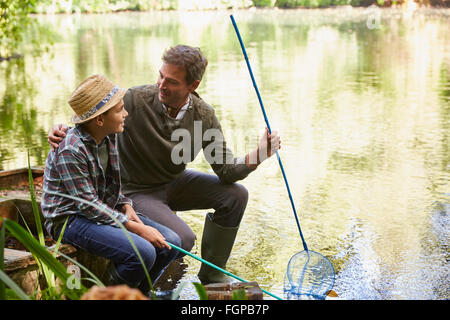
360,97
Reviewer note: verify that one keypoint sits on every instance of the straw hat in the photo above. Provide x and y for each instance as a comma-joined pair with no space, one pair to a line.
94,96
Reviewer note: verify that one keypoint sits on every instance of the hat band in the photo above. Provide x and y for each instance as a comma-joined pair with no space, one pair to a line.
104,101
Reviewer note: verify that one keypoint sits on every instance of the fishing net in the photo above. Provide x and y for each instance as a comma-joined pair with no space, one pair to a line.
309,275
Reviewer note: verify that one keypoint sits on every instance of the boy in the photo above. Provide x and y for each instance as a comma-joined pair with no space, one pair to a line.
86,165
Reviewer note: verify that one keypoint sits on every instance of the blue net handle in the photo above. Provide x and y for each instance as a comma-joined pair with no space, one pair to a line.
268,127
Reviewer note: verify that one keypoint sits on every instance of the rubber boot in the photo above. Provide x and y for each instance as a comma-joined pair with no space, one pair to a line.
217,242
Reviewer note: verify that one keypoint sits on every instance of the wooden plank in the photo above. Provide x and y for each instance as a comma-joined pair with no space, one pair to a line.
10,179
18,259
8,209
224,291
12,255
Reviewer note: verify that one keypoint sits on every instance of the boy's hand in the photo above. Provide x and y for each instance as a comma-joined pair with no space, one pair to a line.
153,236
150,234
131,214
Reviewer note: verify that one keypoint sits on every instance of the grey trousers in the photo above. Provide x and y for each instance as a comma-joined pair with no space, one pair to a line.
193,190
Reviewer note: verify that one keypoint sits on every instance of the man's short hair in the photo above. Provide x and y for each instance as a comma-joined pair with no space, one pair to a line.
190,58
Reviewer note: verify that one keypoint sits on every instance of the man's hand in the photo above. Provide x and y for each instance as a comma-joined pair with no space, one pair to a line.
268,145
131,214
56,135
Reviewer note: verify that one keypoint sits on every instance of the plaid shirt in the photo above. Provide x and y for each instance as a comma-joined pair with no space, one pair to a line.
74,169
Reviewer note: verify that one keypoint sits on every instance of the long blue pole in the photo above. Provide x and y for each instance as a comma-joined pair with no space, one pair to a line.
217,268
268,127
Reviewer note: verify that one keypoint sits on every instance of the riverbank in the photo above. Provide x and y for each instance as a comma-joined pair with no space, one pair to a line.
105,6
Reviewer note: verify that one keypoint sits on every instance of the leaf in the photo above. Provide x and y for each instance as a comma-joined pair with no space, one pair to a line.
49,276
239,294
332,294
201,291
58,243
37,217
177,292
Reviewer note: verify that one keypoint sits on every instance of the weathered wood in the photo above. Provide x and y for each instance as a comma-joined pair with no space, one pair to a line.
20,209
8,209
93,263
12,256
224,291
18,259
10,179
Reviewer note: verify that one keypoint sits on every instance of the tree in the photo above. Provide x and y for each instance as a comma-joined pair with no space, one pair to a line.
14,20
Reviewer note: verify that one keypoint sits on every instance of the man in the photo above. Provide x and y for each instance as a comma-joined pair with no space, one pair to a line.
153,175
86,165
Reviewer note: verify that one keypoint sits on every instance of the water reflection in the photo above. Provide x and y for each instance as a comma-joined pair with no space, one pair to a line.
364,115
19,117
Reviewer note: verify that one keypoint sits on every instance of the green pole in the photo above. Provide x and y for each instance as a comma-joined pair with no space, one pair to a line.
217,268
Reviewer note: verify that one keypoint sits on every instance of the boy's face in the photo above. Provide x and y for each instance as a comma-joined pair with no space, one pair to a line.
114,118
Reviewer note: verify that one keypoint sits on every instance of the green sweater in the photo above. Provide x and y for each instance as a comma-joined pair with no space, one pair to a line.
145,146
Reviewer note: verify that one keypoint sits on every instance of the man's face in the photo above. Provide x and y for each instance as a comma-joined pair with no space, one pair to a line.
173,88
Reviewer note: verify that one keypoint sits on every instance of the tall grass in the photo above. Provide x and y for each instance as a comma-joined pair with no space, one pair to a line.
51,290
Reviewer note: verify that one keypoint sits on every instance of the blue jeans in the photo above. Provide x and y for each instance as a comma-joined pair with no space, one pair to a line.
192,190
111,243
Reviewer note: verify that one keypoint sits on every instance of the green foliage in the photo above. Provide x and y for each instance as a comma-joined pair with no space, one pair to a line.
51,291
99,6
102,6
201,291
51,6
239,294
14,21
19,9
262,3
316,3
177,292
